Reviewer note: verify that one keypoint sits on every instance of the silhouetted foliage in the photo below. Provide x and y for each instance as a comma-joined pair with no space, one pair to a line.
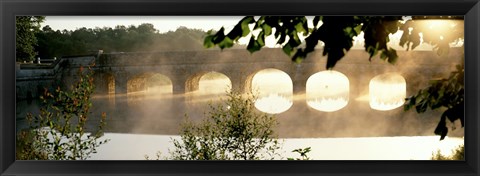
444,93
337,32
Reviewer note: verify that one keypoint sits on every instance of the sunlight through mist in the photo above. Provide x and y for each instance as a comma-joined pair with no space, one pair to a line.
327,91
275,91
214,83
387,91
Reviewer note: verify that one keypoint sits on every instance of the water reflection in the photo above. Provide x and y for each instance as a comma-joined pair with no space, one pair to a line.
273,103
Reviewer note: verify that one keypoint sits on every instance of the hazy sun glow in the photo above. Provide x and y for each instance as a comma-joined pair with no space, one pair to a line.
275,91
387,91
327,91
159,84
214,83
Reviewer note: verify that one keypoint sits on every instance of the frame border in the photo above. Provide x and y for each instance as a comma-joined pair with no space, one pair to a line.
10,8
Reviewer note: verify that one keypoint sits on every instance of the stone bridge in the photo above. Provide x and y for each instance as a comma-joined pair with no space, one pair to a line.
185,69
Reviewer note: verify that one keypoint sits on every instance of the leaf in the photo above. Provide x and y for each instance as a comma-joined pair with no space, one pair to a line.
383,55
372,51
245,25
207,42
226,43
236,33
219,36
287,49
415,39
282,38
333,57
253,45
441,128
348,30
261,39
267,29
299,56
358,29
300,28
404,39
316,20
392,56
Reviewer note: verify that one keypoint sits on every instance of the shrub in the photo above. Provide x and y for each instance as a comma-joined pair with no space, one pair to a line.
232,130
59,131
303,153
458,154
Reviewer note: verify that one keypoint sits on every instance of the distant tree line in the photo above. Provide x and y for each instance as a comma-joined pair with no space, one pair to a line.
26,27
142,38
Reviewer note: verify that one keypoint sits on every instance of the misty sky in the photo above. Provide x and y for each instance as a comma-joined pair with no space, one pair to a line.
161,23
171,23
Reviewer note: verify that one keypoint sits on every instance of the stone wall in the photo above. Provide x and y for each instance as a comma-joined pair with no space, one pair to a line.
32,79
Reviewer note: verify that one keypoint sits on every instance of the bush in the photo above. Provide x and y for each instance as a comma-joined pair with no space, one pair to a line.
303,153
458,154
59,131
234,130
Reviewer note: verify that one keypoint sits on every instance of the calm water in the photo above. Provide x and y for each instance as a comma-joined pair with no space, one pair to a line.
136,146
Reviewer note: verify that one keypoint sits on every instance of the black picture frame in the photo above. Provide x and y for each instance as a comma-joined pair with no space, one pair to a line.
10,8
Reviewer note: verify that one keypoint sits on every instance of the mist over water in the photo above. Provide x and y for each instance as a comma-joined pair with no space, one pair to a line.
158,111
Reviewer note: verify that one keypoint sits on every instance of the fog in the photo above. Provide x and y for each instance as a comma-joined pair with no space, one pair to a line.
316,113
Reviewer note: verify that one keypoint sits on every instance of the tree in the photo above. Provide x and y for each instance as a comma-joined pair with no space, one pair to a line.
337,32
26,28
142,38
234,131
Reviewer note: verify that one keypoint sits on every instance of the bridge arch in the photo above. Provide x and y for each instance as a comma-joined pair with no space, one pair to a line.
328,91
192,82
274,88
104,82
214,83
387,91
151,82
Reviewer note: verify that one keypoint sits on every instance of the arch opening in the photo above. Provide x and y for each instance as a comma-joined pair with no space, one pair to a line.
148,86
104,83
387,91
158,84
150,83
327,91
275,91
214,83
